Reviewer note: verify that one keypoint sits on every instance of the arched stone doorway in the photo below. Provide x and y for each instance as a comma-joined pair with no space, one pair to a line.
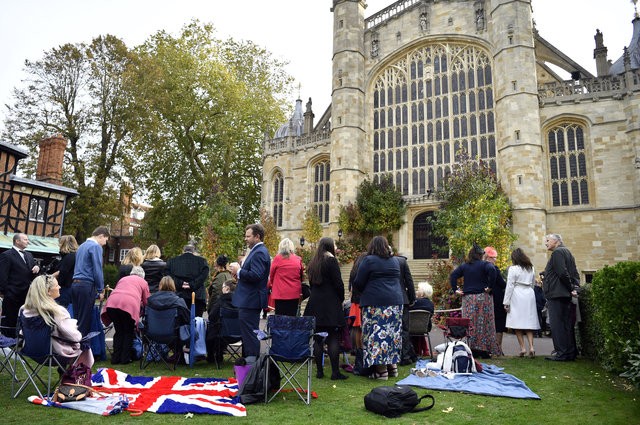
425,244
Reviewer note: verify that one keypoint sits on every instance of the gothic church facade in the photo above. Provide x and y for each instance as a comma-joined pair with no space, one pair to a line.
421,80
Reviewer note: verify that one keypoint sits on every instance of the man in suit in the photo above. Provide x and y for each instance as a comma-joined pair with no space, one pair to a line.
560,277
17,269
250,296
190,272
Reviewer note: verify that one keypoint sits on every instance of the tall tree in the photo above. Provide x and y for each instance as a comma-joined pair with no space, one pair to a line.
474,209
76,90
203,107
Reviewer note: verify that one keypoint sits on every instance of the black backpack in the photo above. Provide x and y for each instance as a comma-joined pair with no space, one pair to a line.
252,389
394,401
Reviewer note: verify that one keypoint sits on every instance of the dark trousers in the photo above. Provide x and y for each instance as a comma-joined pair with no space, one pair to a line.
124,327
287,307
10,309
249,322
559,311
83,298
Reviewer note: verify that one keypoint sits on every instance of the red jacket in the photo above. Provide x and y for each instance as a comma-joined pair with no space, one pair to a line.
285,277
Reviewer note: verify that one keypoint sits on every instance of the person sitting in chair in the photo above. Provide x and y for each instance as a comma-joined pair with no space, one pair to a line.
423,302
167,298
215,347
40,301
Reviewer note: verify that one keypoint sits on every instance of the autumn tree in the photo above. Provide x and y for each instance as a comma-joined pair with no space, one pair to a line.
474,209
311,227
203,106
76,90
271,236
379,210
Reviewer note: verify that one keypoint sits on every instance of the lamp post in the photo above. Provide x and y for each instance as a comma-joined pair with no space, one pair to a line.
302,241
339,234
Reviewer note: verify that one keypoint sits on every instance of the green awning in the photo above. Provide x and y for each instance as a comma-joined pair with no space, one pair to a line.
40,244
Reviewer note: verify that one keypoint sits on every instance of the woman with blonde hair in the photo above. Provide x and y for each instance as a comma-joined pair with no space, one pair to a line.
153,267
285,279
134,257
423,302
64,274
40,302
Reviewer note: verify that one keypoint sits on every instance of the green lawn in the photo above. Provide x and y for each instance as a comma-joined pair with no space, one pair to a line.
578,392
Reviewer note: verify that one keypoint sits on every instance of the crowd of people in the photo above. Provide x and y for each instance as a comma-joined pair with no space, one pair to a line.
381,289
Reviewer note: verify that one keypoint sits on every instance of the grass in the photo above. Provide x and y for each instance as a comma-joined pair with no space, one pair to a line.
578,392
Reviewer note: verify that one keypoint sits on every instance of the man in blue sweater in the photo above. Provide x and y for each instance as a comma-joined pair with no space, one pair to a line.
88,280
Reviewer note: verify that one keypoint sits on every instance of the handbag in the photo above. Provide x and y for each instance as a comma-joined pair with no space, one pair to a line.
393,401
71,392
77,373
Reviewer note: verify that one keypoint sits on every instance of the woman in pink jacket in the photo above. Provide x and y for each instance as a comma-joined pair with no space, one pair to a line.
123,309
285,279
40,302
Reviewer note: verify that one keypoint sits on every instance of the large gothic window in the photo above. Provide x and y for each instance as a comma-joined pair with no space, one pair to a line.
449,108
320,203
278,198
568,165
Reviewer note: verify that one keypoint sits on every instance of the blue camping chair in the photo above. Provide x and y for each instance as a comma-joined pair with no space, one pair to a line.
290,350
230,334
159,330
34,352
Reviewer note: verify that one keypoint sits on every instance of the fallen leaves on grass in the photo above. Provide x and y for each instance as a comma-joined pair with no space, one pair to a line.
447,410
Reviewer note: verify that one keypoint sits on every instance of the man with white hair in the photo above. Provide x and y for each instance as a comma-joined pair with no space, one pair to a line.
560,276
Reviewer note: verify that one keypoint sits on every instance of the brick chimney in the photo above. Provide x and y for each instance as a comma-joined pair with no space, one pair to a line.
50,159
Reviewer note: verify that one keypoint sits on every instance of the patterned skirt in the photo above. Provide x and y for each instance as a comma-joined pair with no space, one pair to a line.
482,335
381,334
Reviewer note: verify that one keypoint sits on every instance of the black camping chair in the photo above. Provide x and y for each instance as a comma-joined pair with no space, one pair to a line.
230,338
419,327
160,337
290,350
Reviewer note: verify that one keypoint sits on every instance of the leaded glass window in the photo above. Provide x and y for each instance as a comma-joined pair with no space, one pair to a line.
278,198
568,165
320,204
450,99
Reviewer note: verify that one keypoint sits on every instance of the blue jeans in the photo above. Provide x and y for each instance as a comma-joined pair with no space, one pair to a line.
83,298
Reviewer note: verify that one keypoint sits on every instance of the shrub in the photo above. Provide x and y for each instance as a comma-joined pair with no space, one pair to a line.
110,273
615,293
632,369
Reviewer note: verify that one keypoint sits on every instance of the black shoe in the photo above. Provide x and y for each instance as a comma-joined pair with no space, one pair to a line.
320,374
338,377
406,362
557,359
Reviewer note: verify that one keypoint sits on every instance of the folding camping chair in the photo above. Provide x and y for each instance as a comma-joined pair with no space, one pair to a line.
456,329
290,341
34,352
419,327
7,347
230,336
159,329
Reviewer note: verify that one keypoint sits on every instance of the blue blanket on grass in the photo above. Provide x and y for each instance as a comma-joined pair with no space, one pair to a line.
491,381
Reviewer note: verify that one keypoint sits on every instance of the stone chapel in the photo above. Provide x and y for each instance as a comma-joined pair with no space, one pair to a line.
420,80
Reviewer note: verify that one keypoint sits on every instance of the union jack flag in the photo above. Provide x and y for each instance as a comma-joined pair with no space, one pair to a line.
173,394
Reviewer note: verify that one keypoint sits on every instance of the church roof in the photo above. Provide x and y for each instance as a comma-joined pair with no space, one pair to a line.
633,50
295,125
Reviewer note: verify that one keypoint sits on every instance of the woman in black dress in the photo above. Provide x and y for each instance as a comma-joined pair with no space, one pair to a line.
325,304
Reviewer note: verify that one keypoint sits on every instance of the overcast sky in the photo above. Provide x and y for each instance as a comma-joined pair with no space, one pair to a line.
298,31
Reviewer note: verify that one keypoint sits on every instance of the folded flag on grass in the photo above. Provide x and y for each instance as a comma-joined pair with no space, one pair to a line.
173,394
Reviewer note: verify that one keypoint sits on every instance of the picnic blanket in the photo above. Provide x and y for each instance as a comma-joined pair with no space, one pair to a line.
491,381
173,394
119,391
